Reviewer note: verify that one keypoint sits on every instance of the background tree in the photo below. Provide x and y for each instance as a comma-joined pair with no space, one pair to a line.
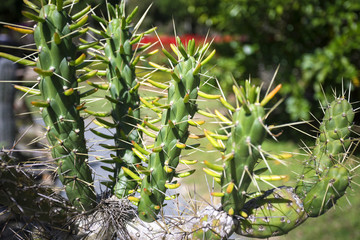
315,42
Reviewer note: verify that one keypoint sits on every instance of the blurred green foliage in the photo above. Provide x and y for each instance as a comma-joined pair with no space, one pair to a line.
316,43
163,14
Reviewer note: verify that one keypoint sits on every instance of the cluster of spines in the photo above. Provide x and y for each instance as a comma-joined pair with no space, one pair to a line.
56,65
175,117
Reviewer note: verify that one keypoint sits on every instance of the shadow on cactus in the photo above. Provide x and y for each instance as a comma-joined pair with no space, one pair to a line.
150,136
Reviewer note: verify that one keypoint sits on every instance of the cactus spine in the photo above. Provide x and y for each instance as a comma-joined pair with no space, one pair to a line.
56,66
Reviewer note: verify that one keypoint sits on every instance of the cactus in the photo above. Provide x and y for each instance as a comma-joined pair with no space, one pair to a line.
325,177
123,85
246,135
56,65
330,144
121,59
277,211
243,146
173,133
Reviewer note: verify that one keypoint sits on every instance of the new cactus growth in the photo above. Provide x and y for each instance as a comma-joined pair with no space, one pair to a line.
173,133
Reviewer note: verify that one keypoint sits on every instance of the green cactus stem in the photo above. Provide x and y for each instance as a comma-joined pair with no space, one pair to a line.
122,51
125,113
56,67
248,133
330,145
243,145
173,133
